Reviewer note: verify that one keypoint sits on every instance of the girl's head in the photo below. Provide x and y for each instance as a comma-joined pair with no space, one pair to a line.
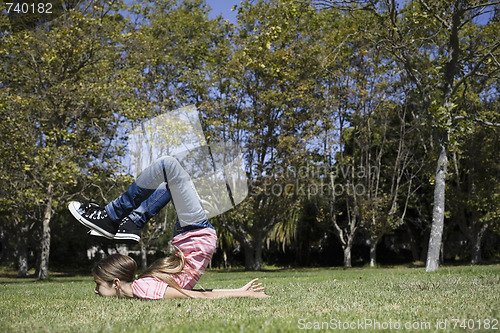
113,269
116,270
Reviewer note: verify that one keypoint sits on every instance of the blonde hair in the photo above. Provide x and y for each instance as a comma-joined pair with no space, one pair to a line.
122,267
164,268
115,266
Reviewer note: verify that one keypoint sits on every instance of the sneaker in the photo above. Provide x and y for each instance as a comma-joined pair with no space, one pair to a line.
94,217
128,230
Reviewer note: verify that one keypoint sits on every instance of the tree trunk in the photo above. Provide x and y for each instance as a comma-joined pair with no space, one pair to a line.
22,248
451,69
22,255
373,250
347,256
253,254
373,255
476,244
347,250
438,211
144,256
22,262
249,258
346,241
43,271
226,261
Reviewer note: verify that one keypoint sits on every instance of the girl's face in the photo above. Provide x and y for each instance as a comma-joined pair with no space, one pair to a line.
104,289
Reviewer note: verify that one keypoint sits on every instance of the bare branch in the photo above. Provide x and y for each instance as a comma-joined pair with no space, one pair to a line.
347,5
483,5
481,12
495,60
478,120
475,69
324,61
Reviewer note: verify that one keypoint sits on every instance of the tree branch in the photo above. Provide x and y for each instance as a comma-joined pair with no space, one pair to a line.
478,120
347,5
483,5
475,69
439,18
481,12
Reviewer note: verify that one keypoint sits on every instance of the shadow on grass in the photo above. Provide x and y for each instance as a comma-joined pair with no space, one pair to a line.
11,277
417,265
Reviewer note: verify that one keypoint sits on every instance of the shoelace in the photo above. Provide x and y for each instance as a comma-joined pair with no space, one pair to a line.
125,220
96,213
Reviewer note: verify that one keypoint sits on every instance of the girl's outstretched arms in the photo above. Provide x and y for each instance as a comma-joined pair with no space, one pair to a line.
250,286
252,289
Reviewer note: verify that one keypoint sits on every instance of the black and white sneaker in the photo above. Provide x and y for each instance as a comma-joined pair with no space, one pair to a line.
128,230
94,217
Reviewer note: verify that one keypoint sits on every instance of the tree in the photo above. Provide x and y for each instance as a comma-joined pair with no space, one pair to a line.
175,44
475,187
390,181
262,106
51,91
436,46
349,93
175,47
456,21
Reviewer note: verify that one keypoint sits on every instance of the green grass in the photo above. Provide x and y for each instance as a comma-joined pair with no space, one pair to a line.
302,298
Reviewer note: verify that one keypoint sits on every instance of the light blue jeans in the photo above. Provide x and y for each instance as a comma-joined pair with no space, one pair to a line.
164,180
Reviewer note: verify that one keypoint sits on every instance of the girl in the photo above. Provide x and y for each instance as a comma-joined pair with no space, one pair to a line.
194,238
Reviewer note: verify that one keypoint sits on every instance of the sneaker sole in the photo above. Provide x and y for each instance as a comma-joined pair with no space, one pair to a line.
127,237
92,232
132,238
74,211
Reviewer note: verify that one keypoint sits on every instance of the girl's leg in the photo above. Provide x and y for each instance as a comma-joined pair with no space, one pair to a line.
138,192
144,199
179,187
127,202
130,227
184,196
151,206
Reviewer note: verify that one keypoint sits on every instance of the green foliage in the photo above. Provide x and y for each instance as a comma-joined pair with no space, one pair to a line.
175,49
61,116
296,87
262,103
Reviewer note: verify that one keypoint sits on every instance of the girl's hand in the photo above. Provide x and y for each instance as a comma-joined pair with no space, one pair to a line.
254,287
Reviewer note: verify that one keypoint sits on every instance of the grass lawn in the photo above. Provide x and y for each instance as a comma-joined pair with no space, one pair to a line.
363,299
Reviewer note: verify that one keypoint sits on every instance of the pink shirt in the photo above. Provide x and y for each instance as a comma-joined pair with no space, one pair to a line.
198,247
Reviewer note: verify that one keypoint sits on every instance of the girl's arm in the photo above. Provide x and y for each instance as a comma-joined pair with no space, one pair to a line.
251,289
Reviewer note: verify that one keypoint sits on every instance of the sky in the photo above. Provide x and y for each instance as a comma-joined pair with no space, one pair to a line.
224,7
